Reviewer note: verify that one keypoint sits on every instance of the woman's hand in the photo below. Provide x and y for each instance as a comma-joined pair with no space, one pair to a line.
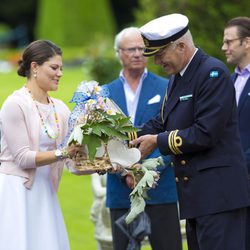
76,151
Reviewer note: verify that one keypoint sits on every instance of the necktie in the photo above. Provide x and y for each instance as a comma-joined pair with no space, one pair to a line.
177,77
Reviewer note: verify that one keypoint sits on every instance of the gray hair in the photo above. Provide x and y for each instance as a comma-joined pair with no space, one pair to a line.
187,37
121,34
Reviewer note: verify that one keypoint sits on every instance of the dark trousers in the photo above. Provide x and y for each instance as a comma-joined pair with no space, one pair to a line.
248,229
221,231
165,227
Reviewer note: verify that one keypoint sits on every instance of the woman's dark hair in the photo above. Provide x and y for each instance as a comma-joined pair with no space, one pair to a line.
38,51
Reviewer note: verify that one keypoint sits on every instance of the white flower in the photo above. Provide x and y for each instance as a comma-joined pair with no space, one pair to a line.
76,135
110,112
97,89
88,87
91,102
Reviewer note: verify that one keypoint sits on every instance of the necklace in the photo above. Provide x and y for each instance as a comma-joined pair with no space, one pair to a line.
41,117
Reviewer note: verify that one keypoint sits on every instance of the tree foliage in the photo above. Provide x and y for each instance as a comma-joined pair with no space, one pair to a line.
206,18
74,22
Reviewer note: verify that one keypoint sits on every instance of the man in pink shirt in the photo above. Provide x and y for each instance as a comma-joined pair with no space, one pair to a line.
236,46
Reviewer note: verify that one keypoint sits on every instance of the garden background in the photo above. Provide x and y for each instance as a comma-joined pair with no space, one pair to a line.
85,30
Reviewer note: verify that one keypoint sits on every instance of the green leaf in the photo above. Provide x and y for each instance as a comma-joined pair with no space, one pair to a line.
150,179
128,129
93,142
111,132
96,130
112,121
143,183
152,163
123,121
137,206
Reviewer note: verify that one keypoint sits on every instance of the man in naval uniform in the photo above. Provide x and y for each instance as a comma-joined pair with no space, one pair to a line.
198,126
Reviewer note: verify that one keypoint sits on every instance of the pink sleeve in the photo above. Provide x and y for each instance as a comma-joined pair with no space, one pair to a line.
15,132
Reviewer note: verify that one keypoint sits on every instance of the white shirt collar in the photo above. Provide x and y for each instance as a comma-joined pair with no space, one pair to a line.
183,71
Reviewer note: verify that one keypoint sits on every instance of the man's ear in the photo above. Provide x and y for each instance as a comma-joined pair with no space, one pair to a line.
247,41
182,46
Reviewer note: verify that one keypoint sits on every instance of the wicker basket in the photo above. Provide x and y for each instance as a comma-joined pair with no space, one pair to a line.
99,164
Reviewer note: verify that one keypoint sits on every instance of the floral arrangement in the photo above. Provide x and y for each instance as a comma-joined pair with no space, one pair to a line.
97,123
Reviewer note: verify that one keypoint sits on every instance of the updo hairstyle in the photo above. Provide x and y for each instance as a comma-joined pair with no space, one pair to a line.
38,51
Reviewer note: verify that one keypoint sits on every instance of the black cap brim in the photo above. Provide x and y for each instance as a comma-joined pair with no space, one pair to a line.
150,52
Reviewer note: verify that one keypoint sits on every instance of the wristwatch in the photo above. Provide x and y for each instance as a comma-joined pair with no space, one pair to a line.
59,154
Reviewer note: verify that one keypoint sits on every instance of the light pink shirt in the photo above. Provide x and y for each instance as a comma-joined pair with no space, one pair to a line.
243,76
20,124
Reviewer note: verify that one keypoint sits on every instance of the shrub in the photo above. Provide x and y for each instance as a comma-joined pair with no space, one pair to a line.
103,69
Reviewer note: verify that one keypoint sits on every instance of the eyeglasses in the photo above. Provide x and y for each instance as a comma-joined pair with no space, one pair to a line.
132,50
159,53
228,42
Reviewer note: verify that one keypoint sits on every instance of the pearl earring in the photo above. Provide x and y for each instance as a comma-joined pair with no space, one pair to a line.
35,74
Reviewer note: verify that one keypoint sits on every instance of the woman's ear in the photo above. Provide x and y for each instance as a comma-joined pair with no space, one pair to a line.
33,69
33,66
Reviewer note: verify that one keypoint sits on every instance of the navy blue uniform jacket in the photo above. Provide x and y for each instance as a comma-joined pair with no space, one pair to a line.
244,120
199,129
153,88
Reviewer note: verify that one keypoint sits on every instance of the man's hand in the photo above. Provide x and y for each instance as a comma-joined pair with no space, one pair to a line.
130,181
147,143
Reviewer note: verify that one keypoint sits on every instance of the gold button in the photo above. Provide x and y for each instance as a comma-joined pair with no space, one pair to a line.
185,178
183,162
176,179
172,164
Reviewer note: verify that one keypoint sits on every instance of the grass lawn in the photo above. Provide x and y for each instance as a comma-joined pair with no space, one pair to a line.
75,194
68,84
75,197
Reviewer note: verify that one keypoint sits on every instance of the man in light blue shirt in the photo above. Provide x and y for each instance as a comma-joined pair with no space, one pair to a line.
139,93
